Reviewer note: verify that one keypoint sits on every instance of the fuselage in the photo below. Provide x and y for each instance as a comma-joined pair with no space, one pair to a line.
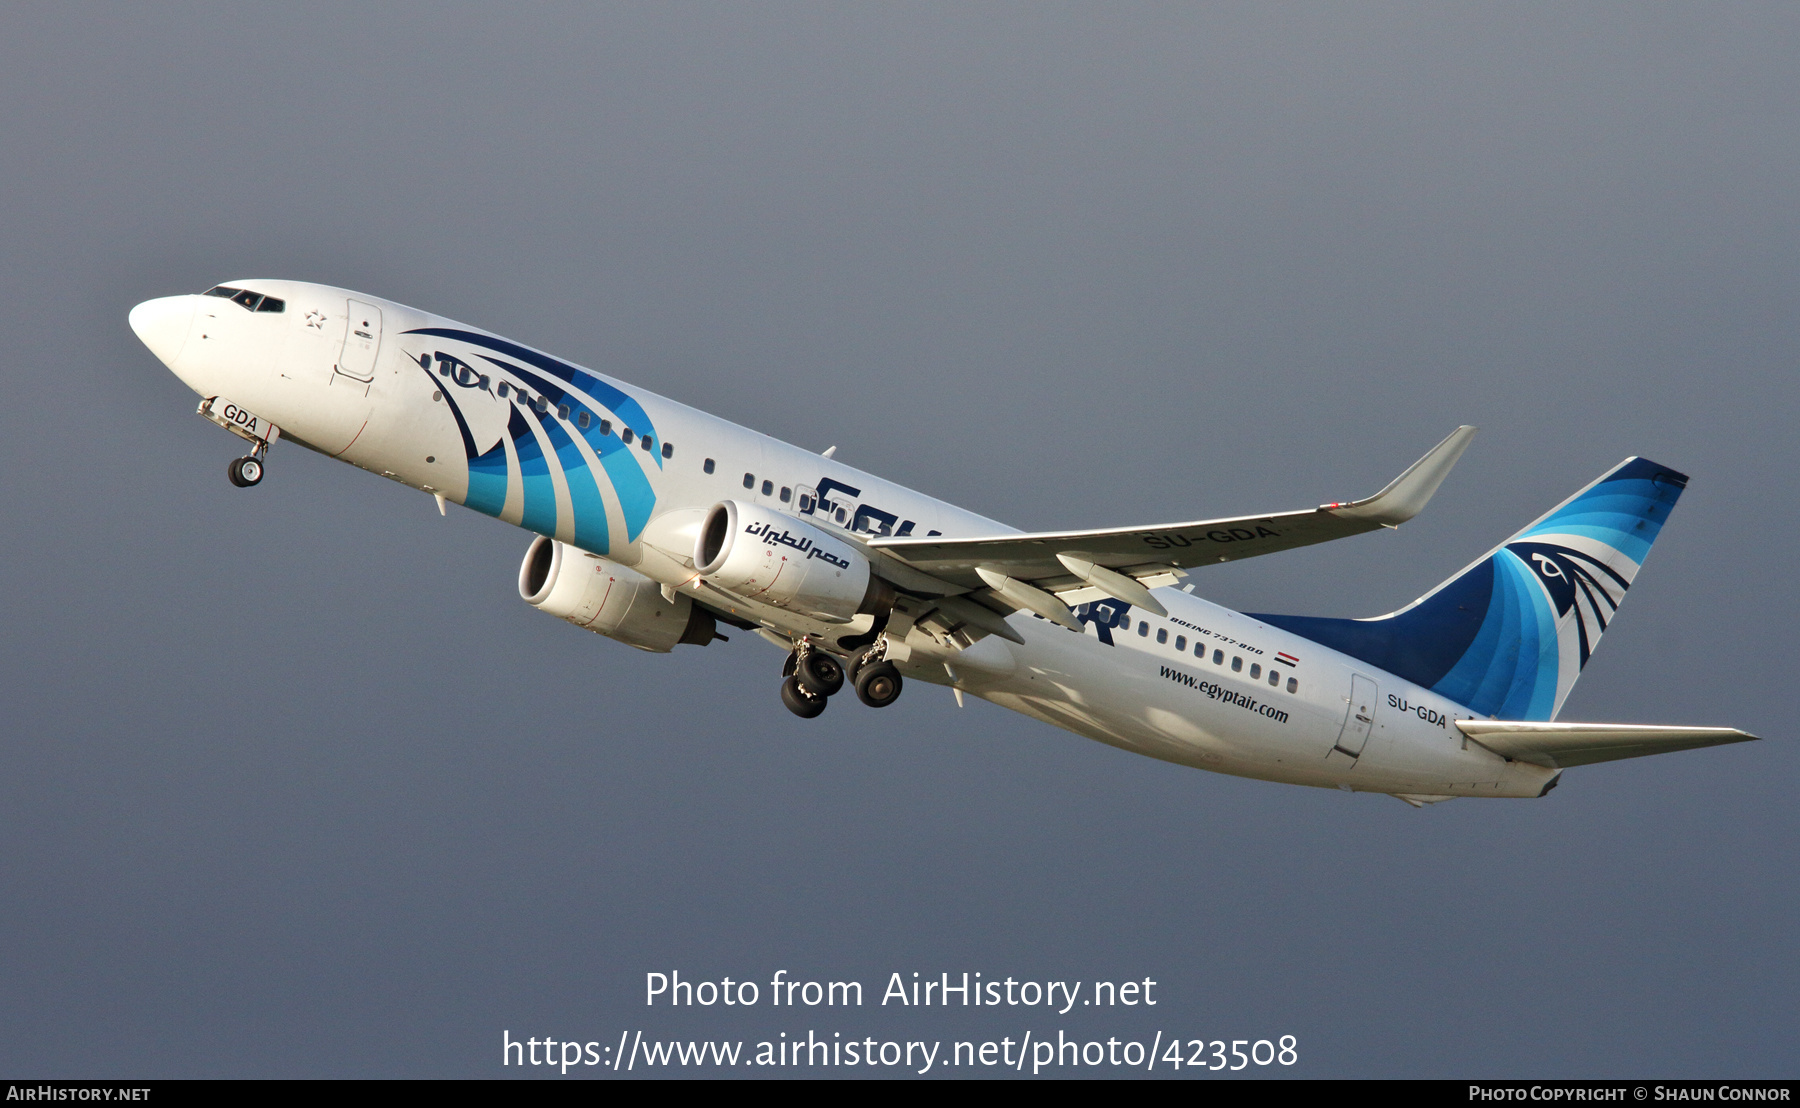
623,473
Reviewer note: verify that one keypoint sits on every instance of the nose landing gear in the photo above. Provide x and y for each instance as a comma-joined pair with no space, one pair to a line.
253,429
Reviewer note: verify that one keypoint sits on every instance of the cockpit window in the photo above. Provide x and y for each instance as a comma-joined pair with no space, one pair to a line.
251,301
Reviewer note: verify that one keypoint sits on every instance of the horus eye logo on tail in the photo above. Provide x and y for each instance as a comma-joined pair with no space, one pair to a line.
1576,583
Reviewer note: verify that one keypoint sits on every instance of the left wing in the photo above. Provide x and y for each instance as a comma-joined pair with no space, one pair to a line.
1125,563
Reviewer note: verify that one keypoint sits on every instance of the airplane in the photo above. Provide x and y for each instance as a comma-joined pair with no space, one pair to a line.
655,524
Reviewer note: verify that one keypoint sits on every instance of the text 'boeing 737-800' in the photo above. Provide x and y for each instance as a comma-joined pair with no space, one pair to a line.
656,522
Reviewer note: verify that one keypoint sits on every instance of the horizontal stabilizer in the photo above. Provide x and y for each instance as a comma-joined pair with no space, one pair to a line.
1559,745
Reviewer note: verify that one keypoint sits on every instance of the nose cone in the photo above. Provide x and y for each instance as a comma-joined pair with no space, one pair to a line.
162,325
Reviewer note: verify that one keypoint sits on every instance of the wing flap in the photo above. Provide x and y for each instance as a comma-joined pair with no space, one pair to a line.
1560,745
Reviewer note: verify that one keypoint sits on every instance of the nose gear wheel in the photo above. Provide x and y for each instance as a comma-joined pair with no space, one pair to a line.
244,472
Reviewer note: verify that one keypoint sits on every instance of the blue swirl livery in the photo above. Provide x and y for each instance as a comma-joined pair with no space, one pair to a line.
545,456
1508,636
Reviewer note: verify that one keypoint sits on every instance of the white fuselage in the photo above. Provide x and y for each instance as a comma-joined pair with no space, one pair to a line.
364,380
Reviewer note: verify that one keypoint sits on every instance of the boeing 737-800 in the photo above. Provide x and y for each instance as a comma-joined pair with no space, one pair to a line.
656,523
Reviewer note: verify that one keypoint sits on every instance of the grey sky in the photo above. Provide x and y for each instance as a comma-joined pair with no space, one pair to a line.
293,784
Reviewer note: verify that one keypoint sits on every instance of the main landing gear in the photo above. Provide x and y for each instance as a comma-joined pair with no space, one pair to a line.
812,677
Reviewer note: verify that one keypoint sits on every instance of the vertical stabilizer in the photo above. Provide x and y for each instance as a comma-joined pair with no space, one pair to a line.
1509,635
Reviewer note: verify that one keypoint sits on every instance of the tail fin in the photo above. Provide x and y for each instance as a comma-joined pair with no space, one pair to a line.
1509,635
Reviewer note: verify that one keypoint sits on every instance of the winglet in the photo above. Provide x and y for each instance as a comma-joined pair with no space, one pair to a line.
1406,494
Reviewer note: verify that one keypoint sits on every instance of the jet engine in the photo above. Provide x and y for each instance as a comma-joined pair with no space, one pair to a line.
761,555
609,599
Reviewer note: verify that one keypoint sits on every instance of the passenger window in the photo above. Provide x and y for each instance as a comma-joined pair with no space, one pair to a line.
503,389
582,420
1293,684
1274,676
270,304
840,515
543,405
749,480
1124,623
768,487
562,411
1218,657
606,427
649,444
708,467
1255,672
668,451
625,435
1162,634
787,494
484,382
1180,642
1237,664
1143,629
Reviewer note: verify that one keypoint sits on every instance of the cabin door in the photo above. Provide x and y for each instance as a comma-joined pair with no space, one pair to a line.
362,341
1360,718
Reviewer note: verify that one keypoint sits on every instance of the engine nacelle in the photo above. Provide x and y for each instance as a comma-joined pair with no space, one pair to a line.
771,558
609,599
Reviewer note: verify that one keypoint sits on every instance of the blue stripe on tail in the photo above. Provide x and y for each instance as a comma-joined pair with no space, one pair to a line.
1508,636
